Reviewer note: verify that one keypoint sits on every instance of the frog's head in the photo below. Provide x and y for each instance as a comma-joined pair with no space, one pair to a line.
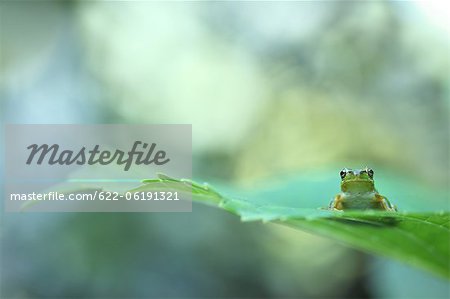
360,180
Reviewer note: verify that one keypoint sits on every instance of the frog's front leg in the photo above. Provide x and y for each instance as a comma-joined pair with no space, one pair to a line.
384,203
336,203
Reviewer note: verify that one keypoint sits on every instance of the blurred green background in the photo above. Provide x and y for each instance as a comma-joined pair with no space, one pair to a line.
271,89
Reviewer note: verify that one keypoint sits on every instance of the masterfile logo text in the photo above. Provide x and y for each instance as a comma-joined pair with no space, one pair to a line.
53,155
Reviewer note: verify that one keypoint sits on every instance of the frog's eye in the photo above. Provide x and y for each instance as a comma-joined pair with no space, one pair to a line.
343,173
370,172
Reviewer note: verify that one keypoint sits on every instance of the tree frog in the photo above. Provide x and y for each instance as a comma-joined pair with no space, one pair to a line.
358,192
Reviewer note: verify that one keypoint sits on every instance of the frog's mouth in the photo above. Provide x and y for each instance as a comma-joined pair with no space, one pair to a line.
359,180
357,185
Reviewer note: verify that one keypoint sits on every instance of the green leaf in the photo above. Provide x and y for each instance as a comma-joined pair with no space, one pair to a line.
415,236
